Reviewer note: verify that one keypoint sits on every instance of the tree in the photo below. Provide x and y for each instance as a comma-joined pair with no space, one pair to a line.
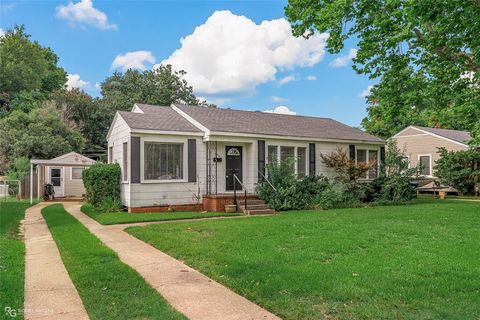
347,170
161,86
459,169
92,117
26,66
38,134
425,53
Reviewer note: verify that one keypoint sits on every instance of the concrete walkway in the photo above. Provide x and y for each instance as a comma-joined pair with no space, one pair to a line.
187,290
49,291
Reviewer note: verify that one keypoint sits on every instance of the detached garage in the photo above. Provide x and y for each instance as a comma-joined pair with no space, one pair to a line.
63,172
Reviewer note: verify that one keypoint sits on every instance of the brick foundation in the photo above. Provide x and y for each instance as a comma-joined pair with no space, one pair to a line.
216,203
167,208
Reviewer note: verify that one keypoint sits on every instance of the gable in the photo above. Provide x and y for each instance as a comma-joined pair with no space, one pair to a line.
73,157
410,131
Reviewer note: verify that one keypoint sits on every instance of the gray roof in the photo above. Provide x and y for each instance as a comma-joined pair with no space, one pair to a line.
456,135
163,118
256,122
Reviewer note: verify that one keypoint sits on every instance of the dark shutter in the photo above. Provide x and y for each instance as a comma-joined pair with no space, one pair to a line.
192,160
261,159
352,151
135,159
311,159
382,155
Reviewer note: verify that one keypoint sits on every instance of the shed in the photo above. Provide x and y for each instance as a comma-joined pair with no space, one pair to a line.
63,172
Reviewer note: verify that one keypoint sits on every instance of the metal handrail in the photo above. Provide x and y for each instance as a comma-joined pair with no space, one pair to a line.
274,190
235,179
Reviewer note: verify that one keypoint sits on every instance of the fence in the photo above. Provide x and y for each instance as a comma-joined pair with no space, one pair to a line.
10,189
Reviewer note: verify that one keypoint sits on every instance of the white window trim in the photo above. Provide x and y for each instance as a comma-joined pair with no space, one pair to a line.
279,146
163,140
418,163
367,156
71,173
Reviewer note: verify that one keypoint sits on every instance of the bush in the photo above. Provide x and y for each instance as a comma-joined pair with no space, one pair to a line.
459,169
336,195
102,183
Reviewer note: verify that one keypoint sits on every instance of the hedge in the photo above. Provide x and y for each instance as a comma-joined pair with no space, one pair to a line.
102,181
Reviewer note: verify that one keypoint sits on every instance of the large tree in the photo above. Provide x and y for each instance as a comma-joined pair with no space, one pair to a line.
39,134
161,86
27,70
425,54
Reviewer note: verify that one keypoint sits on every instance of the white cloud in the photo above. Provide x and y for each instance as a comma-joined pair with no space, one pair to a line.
365,92
74,81
277,99
286,80
1,32
83,13
281,110
311,78
231,53
344,60
97,85
133,60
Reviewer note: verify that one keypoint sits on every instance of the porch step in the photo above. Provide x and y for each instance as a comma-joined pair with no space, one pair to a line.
241,202
260,211
253,206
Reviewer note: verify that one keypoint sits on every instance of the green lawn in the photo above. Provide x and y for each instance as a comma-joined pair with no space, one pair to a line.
419,261
109,288
125,217
12,252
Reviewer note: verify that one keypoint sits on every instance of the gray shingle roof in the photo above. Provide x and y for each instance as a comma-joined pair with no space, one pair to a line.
456,135
163,118
256,122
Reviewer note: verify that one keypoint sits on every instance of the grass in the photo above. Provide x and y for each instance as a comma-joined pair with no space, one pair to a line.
12,252
416,261
109,288
125,217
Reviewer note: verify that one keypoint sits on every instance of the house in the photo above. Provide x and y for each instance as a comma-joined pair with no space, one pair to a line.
181,155
420,145
63,172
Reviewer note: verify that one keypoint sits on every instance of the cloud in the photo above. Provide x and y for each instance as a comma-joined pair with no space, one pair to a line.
344,60
277,99
133,60
74,81
83,13
232,54
281,110
365,92
1,32
286,80
311,78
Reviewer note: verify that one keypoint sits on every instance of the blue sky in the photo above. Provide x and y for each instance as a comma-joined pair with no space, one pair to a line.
231,57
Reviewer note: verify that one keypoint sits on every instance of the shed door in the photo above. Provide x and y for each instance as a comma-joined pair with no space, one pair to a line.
56,179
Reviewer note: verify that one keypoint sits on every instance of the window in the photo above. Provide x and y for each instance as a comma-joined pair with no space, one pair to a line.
288,153
373,158
272,154
362,159
125,161
77,173
424,162
110,154
368,157
301,162
163,161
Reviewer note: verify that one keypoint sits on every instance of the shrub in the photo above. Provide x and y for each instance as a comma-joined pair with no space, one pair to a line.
102,182
336,195
459,169
110,204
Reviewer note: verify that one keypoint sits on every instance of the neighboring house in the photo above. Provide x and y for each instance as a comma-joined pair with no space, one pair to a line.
179,154
420,145
63,172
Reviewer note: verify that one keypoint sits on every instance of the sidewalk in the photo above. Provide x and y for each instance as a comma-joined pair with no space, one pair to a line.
187,290
49,291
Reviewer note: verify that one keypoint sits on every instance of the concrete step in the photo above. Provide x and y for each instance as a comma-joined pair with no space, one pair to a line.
241,202
260,211
253,207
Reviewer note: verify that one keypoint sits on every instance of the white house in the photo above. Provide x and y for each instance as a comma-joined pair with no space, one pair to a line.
178,155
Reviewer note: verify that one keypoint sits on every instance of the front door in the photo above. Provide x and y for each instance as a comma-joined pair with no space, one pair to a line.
56,179
233,165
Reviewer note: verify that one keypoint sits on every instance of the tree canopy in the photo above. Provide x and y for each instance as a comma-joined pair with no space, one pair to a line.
425,54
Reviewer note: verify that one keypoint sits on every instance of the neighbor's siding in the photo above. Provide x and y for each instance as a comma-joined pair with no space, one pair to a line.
120,133
414,145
